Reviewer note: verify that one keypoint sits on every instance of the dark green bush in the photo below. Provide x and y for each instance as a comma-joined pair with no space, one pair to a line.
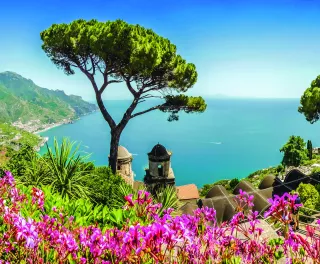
104,186
233,183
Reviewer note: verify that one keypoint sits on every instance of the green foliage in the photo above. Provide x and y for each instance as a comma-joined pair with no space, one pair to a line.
256,177
29,167
205,189
176,103
310,102
143,54
233,183
144,57
68,174
20,161
309,197
21,99
315,170
68,170
84,212
226,183
36,171
107,188
167,197
11,136
309,148
294,151
280,168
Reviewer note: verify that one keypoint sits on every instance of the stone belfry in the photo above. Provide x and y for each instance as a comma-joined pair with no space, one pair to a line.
159,174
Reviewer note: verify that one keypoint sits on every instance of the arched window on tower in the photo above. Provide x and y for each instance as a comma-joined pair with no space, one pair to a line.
160,170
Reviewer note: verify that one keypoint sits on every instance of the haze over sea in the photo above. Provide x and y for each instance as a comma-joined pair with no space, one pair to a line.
233,138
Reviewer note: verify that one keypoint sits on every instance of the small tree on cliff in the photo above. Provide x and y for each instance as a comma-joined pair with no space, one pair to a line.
310,102
119,52
309,148
294,151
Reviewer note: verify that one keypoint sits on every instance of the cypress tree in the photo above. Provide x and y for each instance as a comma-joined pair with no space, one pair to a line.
309,148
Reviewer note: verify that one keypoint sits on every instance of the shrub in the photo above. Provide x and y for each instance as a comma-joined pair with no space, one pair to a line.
309,197
233,183
106,188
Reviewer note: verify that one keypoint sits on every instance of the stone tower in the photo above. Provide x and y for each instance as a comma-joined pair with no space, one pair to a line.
159,174
124,167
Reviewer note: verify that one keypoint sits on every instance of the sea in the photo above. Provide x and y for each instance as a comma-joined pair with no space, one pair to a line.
231,139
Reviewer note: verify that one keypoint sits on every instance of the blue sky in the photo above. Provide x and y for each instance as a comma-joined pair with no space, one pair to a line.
241,48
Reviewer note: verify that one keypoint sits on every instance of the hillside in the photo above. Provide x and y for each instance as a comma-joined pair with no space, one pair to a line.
12,138
22,100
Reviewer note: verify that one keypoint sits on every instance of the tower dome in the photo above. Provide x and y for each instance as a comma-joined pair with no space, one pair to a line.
159,151
123,153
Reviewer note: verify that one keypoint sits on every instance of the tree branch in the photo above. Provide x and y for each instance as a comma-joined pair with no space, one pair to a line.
146,111
151,89
100,103
134,93
148,96
93,67
104,86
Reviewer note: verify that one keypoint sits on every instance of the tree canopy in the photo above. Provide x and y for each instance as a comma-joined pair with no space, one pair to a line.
122,52
147,63
294,151
310,101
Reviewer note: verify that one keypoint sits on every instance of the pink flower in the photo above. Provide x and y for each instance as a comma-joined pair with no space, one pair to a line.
37,197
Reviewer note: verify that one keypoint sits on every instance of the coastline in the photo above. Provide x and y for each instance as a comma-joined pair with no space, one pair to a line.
44,140
50,127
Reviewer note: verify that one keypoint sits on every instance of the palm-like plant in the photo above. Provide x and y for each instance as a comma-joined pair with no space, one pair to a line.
167,197
122,190
69,171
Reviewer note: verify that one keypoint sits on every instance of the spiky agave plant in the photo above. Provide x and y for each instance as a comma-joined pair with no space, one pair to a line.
69,170
168,197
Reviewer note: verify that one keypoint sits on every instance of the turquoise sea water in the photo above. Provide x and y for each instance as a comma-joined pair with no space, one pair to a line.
233,138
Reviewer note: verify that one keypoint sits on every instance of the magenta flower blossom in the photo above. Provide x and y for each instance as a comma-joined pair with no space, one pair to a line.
26,231
37,197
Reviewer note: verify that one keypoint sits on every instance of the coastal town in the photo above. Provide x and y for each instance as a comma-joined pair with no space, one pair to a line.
36,126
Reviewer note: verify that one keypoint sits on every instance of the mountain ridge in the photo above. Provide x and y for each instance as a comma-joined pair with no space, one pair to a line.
21,100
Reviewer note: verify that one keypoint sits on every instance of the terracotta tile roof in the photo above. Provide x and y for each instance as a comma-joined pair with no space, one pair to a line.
189,191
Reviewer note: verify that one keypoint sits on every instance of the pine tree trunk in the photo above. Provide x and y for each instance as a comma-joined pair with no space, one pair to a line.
114,143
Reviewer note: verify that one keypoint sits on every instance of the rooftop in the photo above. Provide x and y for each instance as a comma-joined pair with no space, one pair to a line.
186,192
